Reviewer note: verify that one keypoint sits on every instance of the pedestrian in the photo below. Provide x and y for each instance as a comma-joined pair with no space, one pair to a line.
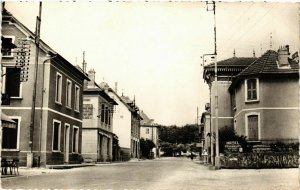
205,154
192,156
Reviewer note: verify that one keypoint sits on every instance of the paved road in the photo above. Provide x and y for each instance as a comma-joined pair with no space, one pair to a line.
166,173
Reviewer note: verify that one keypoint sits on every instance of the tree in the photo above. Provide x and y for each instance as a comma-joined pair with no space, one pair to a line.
146,147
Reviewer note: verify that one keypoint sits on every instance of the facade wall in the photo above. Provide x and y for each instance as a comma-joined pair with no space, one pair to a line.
122,123
45,106
224,104
90,144
102,131
277,109
152,135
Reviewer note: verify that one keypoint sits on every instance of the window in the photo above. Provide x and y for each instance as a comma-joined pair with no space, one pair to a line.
12,82
77,96
58,88
68,93
109,117
56,135
7,41
75,139
251,89
106,115
102,112
252,124
147,130
10,136
233,99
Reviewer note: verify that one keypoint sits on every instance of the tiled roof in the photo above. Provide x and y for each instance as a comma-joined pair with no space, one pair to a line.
234,62
146,119
267,64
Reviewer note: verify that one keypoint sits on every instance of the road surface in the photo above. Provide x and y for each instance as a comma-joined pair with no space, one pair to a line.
165,173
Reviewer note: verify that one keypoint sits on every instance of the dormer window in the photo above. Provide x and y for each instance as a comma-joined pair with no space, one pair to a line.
251,90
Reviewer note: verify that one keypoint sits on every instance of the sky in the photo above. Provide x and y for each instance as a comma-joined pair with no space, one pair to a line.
153,49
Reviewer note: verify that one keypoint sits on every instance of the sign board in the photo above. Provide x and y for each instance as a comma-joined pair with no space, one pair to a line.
198,145
232,146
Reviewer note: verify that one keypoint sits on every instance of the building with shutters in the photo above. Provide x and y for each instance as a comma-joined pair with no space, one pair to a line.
265,101
257,96
55,137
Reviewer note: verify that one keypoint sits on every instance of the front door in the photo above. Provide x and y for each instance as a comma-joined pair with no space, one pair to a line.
67,143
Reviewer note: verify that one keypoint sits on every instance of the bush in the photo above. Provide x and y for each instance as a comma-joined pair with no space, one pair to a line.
228,134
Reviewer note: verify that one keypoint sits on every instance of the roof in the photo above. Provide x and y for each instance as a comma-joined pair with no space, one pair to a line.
233,62
99,91
146,120
267,64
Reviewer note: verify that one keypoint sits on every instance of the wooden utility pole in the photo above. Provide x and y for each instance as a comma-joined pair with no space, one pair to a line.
37,44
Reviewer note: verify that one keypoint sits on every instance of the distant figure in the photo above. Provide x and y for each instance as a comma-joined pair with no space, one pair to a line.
205,154
192,156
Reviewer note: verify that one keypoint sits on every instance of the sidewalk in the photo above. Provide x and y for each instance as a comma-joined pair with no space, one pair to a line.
26,172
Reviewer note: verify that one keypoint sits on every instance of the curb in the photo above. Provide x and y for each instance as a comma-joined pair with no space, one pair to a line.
68,166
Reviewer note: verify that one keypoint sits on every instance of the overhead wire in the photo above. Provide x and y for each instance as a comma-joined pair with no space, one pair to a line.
252,26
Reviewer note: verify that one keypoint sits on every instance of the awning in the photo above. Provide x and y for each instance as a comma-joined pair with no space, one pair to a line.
7,122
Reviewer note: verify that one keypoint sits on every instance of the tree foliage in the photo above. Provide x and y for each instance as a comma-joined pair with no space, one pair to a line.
179,135
146,147
175,140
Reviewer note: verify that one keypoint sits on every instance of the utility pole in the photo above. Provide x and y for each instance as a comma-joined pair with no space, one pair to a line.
217,158
216,127
37,43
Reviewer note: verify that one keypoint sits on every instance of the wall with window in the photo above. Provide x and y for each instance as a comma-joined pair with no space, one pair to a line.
65,91
277,107
56,137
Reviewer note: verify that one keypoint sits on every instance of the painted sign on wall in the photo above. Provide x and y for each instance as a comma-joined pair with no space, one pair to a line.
87,111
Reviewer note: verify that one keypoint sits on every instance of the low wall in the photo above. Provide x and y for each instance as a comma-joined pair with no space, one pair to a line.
260,160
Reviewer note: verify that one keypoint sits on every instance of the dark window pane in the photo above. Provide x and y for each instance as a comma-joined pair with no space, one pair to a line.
13,81
102,113
58,88
56,136
75,139
10,137
106,115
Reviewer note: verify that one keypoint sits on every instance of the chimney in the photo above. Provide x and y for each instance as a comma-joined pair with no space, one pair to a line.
91,74
283,56
83,63
253,53
116,87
